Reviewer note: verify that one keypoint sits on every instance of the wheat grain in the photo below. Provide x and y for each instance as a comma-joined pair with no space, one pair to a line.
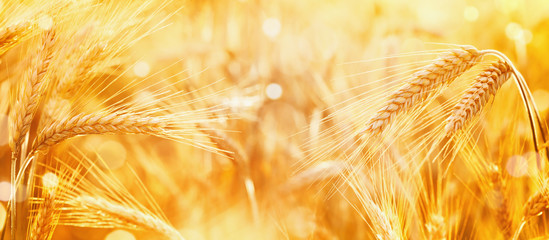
485,85
98,123
127,215
442,71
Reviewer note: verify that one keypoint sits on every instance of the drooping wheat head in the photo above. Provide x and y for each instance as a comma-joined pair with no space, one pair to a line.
441,72
127,216
485,86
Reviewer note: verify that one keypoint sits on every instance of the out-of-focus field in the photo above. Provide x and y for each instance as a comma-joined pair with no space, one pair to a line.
284,84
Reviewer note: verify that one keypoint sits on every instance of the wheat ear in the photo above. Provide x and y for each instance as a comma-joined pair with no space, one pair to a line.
97,123
536,204
503,219
45,219
534,207
442,71
485,85
29,99
71,81
10,35
127,215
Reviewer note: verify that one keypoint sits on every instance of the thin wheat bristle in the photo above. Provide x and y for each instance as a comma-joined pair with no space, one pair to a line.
441,72
127,215
114,123
231,149
485,85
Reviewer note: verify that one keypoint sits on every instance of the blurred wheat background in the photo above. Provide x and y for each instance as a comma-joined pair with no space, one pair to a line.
254,119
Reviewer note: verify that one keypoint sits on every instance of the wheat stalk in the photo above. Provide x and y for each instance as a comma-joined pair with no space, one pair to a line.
127,215
442,71
98,123
485,85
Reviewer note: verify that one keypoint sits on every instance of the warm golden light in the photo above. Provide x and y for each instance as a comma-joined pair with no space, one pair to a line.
141,69
470,13
5,190
45,22
243,119
120,235
50,181
271,27
273,91
113,153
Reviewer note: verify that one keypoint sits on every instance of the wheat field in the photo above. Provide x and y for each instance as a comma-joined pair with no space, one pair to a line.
254,119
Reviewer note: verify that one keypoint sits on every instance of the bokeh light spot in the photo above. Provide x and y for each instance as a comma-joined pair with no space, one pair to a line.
514,31
141,69
113,153
120,235
517,166
5,190
50,180
470,13
45,22
271,27
273,91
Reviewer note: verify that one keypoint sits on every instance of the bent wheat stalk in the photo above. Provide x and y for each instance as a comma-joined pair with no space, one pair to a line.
441,72
127,215
485,85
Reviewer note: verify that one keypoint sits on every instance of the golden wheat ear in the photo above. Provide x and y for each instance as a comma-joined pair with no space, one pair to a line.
442,71
485,86
11,35
96,198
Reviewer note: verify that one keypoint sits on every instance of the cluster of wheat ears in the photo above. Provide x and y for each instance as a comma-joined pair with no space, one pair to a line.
391,173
